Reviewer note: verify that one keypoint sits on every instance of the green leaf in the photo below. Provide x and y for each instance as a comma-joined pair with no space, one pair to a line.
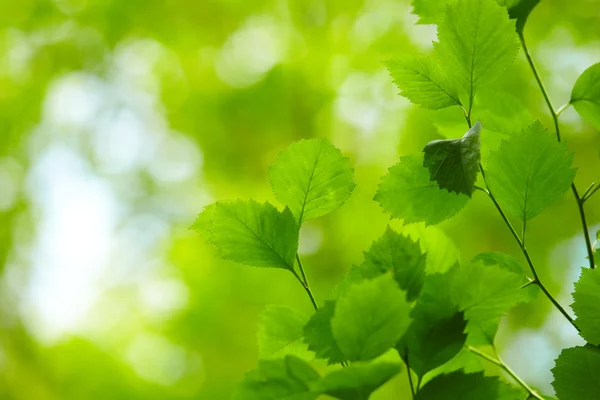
203,225
312,178
255,234
396,253
577,374
431,340
530,171
422,81
454,163
280,332
486,292
502,260
520,10
319,336
287,379
357,382
585,96
430,11
459,385
407,193
477,43
587,305
370,318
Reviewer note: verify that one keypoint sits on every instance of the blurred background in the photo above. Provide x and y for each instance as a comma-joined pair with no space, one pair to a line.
121,119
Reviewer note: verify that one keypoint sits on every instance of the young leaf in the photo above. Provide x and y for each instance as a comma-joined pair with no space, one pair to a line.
312,178
357,382
255,234
290,378
477,43
486,292
203,225
459,385
577,373
319,337
407,193
430,11
422,81
530,171
396,253
431,340
280,332
454,163
585,96
370,318
587,305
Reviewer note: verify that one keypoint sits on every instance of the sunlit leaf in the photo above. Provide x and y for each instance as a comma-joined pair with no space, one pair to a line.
585,96
587,305
280,332
357,382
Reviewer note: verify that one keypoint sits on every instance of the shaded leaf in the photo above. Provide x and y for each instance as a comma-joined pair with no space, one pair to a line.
357,382
319,336
577,374
454,163
458,385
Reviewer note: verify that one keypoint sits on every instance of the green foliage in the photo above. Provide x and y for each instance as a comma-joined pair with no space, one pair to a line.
407,193
280,332
459,385
454,163
319,336
422,81
369,318
255,234
476,43
577,373
586,305
312,178
396,253
585,96
357,382
530,171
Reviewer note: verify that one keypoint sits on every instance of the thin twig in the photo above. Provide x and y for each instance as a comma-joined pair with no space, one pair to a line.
410,381
305,285
555,115
497,361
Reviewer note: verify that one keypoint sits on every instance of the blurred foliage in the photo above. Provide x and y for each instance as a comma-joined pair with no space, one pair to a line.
226,84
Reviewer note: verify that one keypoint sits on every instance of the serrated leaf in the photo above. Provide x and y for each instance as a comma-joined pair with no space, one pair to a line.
520,10
407,193
577,374
585,96
422,81
370,318
255,234
280,332
312,178
476,43
587,305
454,163
459,385
319,336
430,11
530,171
357,382
396,253
288,379
486,292
431,340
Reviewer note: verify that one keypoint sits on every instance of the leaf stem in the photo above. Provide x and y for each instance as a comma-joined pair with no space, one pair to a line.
536,278
555,115
590,191
304,282
410,381
562,108
497,361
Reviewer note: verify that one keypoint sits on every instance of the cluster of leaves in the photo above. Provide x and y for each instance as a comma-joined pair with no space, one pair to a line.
439,322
